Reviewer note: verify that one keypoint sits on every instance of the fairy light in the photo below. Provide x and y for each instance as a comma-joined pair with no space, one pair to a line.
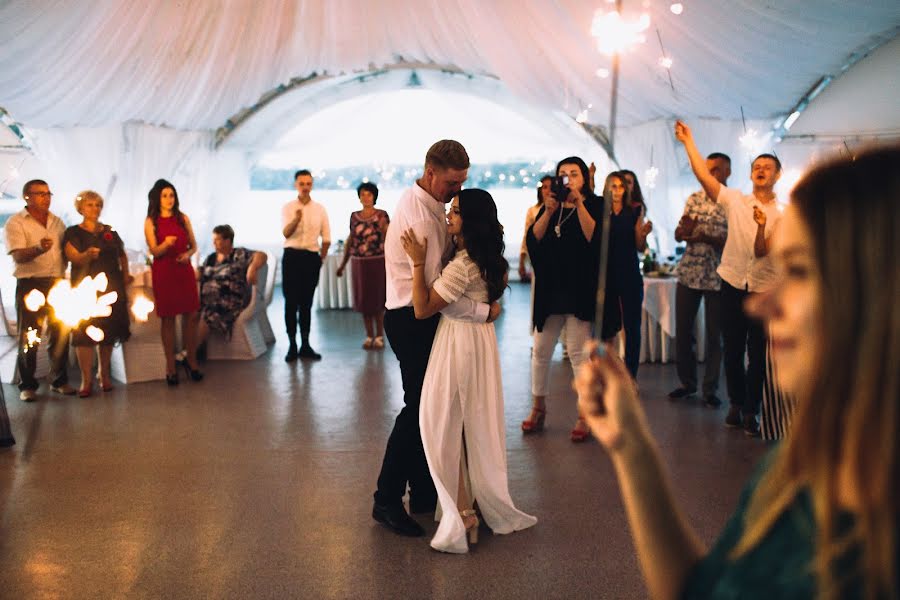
665,62
602,73
677,8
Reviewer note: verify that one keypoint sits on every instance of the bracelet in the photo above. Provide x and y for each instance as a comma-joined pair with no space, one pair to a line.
418,264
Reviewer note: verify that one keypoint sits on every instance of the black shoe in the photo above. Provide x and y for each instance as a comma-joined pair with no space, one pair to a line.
172,379
307,352
682,392
733,420
194,374
712,401
396,519
291,355
751,426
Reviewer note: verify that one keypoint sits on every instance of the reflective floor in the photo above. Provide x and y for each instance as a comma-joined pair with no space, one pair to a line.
257,483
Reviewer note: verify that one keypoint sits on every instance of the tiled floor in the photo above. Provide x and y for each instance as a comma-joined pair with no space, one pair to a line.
257,483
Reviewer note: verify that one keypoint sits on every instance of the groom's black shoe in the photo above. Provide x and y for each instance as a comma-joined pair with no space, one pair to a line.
396,519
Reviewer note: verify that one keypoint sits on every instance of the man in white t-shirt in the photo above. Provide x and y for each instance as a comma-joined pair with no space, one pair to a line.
422,209
307,237
745,269
34,240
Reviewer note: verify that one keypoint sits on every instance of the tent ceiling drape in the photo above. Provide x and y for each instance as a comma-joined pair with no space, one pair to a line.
191,65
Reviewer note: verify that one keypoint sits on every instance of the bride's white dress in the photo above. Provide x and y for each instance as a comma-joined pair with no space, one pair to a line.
463,396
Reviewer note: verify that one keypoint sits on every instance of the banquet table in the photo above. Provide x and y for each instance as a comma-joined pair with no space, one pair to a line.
658,322
334,291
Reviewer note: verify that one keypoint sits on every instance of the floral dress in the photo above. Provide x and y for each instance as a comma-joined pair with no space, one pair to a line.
224,291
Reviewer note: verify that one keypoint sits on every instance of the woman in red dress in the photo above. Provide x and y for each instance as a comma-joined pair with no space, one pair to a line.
171,241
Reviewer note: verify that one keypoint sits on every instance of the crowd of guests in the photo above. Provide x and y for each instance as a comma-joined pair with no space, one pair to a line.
820,516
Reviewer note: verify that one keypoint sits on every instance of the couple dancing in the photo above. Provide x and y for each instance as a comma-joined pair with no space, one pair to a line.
451,363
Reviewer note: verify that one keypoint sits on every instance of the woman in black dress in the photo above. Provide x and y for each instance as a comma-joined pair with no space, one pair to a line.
94,248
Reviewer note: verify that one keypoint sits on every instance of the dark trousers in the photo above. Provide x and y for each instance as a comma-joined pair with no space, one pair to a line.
299,278
625,303
58,334
740,333
687,303
404,457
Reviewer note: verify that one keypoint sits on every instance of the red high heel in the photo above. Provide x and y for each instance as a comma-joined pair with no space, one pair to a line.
580,435
536,424
86,391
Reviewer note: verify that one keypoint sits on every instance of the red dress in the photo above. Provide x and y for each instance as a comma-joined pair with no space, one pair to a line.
174,283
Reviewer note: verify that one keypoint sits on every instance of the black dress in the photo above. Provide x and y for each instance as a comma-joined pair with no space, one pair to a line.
115,327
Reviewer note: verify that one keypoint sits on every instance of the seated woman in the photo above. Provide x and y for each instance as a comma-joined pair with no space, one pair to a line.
821,517
94,248
226,279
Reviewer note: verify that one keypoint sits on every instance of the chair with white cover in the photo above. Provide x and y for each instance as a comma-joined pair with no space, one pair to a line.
269,292
248,335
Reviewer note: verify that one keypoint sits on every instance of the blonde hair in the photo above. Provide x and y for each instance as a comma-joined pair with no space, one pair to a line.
851,416
87,195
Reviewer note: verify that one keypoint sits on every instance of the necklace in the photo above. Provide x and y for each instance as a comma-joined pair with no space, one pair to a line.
557,229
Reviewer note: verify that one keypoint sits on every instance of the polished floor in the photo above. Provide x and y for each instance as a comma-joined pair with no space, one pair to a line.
257,483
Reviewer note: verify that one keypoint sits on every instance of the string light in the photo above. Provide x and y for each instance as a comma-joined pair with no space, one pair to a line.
602,73
665,62
677,8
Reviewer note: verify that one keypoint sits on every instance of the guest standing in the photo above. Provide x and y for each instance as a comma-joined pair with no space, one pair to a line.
625,287
530,216
227,277
171,241
420,208
94,248
306,241
564,246
461,414
365,250
34,239
745,269
635,195
703,227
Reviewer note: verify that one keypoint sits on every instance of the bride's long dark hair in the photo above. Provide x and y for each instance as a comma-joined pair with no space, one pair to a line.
483,236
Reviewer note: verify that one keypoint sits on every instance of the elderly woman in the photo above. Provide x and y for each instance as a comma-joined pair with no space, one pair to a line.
563,244
226,280
821,516
171,241
365,247
94,248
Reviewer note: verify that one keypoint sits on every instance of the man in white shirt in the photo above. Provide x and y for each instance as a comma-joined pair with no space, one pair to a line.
422,209
307,237
745,269
34,240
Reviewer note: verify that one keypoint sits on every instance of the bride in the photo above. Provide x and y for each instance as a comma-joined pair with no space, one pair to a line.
461,411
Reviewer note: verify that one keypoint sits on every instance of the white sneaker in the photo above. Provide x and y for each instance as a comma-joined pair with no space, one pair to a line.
27,396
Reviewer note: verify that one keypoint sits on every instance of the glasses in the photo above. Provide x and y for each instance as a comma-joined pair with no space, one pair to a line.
48,194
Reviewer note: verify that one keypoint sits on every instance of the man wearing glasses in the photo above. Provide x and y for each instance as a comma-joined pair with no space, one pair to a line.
34,239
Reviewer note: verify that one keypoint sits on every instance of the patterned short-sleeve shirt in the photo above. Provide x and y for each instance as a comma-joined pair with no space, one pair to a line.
697,269
366,235
461,277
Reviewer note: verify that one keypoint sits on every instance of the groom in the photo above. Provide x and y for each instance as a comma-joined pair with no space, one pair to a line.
420,208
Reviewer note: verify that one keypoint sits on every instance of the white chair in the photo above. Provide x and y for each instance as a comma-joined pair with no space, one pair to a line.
141,358
248,336
272,263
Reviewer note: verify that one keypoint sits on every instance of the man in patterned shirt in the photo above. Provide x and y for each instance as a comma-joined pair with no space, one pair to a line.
704,227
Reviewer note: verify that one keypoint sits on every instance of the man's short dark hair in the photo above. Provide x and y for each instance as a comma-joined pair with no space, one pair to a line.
224,231
368,186
769,156
447,154
30,183
302,172
719,156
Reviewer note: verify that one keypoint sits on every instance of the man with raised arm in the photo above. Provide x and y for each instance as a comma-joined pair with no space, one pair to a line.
745,269
420,208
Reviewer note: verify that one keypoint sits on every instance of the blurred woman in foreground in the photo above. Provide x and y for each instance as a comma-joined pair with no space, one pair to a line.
820,516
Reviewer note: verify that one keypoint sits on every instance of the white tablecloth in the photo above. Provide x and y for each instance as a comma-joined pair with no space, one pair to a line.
658,322
334,291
